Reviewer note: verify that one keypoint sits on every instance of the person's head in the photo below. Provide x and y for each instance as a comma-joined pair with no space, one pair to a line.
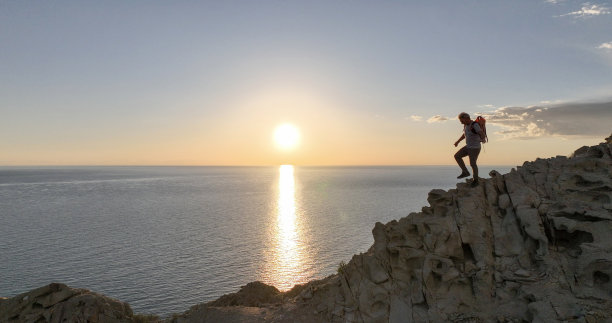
464,117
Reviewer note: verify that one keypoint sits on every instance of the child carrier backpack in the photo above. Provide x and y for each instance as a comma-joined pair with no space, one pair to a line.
482,123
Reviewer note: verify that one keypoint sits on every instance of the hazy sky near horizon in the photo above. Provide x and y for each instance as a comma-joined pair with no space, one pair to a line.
366,82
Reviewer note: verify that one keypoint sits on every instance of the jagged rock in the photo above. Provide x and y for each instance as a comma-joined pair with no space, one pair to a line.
531,245
60,303
253,294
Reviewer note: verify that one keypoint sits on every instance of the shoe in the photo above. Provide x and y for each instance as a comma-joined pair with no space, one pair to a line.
474,184
464,174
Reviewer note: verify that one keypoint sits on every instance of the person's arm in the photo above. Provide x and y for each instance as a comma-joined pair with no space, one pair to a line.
459,140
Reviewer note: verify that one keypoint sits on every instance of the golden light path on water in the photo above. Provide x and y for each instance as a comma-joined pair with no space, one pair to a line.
288,257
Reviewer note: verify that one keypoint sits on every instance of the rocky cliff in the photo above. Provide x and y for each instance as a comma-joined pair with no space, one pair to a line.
532,245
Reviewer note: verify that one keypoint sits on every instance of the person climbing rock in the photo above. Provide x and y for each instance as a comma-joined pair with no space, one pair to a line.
473,135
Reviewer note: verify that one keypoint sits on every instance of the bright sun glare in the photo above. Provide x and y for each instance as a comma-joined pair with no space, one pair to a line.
286,136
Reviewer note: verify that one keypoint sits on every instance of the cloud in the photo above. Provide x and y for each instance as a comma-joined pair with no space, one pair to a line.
607,45
588,10
486,106
416,118
437,118
564,120
550,102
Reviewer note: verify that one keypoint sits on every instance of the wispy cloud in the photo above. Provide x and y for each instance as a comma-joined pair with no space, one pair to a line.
607,45
486,106
588,10
551,102
437,118
415,118
565,120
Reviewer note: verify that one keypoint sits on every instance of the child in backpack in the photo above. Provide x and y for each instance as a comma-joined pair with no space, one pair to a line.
473,135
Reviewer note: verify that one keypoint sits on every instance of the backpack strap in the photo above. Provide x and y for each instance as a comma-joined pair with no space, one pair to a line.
472,127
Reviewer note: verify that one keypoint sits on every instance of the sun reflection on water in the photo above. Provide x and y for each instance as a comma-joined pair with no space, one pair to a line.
287,255
287,233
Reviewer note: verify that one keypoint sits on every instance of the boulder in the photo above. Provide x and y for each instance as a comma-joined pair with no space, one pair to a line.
60,303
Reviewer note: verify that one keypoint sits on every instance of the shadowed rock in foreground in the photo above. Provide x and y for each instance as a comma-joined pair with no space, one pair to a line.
60,303
532,245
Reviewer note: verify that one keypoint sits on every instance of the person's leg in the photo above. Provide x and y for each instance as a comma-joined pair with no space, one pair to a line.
459,158
473,155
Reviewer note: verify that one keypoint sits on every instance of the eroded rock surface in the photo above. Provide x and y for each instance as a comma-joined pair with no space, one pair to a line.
533,245
60,303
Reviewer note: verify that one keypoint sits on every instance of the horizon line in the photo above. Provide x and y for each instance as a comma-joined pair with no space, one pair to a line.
268,165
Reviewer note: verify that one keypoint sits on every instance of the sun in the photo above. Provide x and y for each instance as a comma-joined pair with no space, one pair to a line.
286,136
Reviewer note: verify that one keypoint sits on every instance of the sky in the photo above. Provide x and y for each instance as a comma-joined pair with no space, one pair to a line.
365,82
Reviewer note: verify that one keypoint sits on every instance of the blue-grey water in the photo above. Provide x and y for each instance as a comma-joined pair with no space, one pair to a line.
166,238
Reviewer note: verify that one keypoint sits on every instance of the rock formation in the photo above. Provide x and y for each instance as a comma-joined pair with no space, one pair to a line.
533,245
60,303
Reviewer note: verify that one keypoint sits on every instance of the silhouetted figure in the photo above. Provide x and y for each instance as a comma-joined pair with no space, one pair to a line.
473,135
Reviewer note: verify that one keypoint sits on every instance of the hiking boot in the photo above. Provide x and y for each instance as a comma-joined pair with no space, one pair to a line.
474,183
464,174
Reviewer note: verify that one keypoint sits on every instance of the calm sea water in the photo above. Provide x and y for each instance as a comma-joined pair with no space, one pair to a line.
166,238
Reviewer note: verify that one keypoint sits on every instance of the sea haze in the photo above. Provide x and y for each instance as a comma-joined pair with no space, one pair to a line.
166,238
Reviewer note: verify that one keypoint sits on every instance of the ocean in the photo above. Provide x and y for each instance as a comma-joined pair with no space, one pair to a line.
166,238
